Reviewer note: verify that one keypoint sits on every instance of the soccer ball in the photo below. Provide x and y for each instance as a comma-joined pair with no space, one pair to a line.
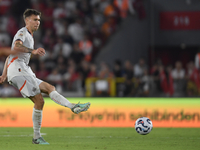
143,125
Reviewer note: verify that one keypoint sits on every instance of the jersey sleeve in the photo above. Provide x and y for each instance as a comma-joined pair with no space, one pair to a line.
20,36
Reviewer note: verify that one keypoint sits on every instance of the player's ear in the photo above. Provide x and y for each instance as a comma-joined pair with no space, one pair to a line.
26,20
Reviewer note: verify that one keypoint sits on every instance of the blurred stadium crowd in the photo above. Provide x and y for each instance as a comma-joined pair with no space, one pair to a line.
72,32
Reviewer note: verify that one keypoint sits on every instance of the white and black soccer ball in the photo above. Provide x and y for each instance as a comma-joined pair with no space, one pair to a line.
143,125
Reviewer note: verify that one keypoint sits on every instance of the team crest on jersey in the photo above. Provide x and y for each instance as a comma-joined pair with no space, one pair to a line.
20,34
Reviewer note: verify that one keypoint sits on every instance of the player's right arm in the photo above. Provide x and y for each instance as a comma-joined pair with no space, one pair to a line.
4,74
18,46
5,51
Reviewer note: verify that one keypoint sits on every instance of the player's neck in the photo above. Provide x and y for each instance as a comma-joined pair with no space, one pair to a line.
30,31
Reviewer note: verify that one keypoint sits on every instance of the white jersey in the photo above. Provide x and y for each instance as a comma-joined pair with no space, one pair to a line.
18,64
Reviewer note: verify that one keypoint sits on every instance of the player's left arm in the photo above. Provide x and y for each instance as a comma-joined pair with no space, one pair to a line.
18,46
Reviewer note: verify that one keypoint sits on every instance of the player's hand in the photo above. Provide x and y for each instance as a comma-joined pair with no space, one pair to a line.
40,51
2,79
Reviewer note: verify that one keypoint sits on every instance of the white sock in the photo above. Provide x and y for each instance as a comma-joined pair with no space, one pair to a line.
37,120
59,99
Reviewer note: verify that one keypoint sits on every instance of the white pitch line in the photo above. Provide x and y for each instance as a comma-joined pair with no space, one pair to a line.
89,137
19,135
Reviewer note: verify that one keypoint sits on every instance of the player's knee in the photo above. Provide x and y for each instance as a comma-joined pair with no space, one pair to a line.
40,103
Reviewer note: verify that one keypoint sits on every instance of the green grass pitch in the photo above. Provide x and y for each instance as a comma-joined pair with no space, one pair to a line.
101,139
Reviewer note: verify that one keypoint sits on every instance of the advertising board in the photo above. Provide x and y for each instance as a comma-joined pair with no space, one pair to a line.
104,112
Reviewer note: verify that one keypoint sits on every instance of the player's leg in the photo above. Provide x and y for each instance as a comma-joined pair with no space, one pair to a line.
54,95
61,100
37,118
28,87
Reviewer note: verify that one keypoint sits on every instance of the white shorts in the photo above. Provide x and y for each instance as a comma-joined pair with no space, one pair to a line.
27,85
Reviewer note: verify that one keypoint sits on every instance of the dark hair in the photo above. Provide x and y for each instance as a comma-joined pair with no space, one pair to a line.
29,12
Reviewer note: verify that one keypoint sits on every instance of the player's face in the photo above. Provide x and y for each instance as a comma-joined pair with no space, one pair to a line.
33,22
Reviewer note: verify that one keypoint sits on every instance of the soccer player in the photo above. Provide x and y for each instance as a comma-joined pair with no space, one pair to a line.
20,75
